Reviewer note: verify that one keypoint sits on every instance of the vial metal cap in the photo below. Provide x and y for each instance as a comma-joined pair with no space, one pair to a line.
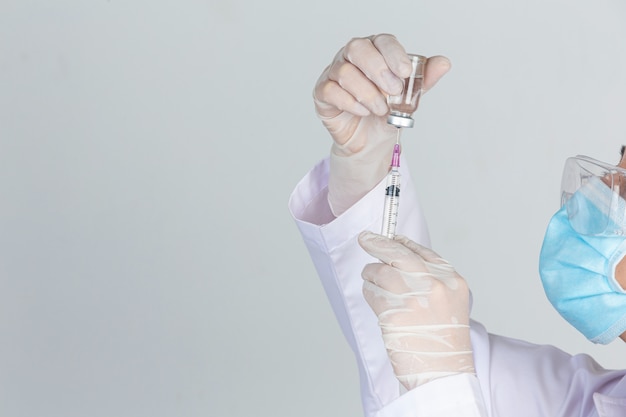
400,120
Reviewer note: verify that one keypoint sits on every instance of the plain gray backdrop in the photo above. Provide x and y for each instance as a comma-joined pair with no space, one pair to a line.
148,263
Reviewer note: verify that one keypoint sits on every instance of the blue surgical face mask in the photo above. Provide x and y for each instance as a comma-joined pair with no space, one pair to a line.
578,271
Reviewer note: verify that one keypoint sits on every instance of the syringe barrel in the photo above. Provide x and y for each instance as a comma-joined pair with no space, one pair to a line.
392,201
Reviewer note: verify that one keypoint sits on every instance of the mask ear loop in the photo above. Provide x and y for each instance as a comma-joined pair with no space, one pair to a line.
618,205
621,184
616,180
613,261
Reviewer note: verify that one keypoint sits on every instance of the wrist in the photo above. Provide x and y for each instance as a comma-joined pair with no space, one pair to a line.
355,170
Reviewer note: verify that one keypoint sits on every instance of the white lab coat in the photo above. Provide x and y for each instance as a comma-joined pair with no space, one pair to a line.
514,378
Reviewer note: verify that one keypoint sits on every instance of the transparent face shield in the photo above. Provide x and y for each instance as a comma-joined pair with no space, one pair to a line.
593,194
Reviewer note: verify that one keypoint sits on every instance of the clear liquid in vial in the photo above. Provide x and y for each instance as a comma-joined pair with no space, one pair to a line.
407,102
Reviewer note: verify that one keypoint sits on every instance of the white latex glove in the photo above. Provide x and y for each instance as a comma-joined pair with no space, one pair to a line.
422,305
351,100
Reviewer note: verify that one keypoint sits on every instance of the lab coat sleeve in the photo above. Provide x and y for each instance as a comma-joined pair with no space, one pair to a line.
608,406
339,260
525,379
517,379
452,396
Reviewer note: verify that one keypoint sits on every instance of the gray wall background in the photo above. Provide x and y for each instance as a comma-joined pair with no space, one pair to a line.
148,263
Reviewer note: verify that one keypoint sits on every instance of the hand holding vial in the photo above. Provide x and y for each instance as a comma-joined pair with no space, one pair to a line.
351,99
352,91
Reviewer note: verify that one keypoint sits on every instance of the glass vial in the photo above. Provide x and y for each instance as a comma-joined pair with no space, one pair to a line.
404,105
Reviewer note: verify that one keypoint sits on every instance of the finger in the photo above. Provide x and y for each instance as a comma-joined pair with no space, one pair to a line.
331,99
391,252
427,254
384,276
363,54
394,54
394,281
436,67
351,79
372,295
393,309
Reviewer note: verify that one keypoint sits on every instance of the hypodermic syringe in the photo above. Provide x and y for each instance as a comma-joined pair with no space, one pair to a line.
392,194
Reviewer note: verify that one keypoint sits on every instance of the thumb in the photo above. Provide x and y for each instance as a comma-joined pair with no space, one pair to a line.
436,67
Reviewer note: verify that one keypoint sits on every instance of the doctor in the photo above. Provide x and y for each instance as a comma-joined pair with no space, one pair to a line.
453,367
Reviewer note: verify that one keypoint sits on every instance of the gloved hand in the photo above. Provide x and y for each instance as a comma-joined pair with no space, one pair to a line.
422,305
350,99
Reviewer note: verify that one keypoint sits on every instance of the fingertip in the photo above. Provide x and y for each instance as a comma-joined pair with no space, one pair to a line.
436,67
443,63
405,67
366,237
376,245
367,274
392,84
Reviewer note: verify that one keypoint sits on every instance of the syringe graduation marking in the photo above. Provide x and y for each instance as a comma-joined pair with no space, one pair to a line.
392,193
393,190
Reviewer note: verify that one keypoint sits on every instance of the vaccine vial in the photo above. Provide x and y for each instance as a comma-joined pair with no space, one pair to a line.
404,105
